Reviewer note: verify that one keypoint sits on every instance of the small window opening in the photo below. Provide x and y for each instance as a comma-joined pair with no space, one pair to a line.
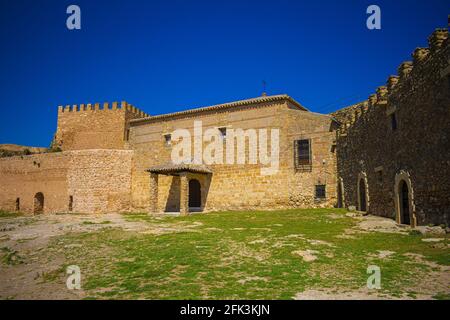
320,191
18,204
127,135
302,155
70,203
393,121
223,132
168,139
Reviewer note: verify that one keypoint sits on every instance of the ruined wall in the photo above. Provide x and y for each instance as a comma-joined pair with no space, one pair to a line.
98,181
240,186
24,176
418,149
94,127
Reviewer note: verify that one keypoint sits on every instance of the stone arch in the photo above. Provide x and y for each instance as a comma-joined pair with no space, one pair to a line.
362,191
340,193
195,194
402,181
38,203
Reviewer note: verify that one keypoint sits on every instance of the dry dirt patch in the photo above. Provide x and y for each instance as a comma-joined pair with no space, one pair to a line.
28,237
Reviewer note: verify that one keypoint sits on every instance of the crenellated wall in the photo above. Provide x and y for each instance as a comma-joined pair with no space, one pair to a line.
369,149
94,126
417,151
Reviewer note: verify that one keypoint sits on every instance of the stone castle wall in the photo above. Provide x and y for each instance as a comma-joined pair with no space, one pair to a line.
97,180
93,126
107,152
417,150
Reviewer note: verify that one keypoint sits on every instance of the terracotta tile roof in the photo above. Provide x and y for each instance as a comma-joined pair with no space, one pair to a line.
223,106
174,169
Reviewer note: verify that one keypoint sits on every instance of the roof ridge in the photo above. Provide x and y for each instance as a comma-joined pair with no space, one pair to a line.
223,106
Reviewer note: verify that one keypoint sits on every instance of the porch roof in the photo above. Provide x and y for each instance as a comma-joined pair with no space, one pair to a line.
176,169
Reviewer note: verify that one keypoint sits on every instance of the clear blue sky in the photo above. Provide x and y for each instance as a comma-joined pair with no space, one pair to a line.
164,56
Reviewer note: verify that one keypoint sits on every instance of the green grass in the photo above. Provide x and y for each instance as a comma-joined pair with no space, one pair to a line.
91,222
10,257
245,255
8,214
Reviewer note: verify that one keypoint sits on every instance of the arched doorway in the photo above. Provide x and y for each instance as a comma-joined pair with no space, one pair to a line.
403,194
39,203
362,196
405,210
195,195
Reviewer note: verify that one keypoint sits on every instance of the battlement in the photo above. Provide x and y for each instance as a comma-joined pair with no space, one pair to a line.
95,125
411,76
106,106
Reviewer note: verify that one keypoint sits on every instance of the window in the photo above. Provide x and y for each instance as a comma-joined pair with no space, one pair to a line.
70,203
127,135
223,132
18,204
302,153
393,121
168,139
320,191
380,176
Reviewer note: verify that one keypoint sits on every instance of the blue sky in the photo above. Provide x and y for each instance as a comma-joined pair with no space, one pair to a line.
165,56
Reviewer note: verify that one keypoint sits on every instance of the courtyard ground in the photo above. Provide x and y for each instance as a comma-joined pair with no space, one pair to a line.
292,254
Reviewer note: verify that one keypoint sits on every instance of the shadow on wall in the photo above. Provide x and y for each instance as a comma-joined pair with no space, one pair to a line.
205,185
173,200
198,193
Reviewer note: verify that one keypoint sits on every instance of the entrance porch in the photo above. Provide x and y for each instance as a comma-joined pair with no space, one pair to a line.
193,186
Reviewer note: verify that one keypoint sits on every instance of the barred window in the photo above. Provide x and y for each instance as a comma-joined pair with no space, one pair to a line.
320,191
302,153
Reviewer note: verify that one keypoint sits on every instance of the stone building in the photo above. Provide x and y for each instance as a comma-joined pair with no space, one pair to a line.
388,155
393,150
120,159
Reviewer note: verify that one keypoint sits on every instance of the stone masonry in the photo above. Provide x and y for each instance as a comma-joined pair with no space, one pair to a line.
388,155
401,134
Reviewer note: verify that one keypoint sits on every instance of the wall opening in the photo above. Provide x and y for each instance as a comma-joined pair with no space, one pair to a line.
302,155
340,198
403,194
70,203
195,195
362,196
405,210
38,203
320,191
393,121
168,139
17,204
